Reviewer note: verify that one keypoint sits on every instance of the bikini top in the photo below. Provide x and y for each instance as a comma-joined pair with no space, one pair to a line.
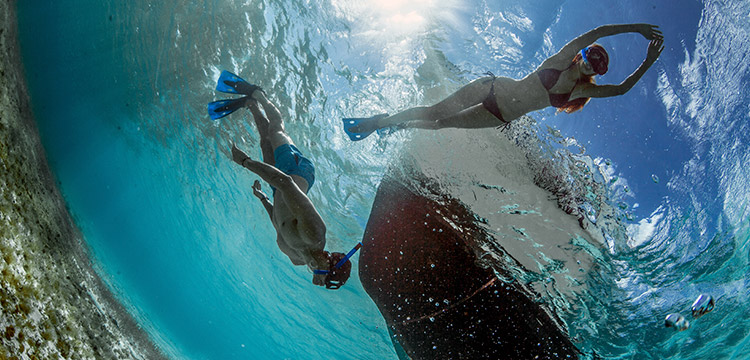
549,78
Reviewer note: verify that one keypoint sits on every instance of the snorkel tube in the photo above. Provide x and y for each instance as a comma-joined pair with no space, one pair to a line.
583,55
348,255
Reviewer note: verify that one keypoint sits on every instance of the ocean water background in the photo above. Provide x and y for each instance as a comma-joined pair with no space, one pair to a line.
119,92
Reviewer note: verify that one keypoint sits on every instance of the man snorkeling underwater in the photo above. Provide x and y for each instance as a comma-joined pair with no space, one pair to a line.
301,232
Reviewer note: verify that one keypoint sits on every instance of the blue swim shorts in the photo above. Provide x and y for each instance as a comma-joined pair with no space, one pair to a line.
291,161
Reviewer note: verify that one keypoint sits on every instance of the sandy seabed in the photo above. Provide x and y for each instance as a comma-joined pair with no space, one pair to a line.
53,303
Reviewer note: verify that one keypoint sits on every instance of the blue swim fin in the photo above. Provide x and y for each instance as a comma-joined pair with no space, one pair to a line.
221,108
352,122
233,84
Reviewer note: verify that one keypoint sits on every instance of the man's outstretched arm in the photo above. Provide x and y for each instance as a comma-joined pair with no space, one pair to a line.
263,198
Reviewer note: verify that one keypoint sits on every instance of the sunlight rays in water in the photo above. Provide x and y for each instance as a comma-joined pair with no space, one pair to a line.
396,21
403,16
397,33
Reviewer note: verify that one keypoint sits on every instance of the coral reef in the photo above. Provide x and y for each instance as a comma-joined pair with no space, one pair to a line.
53,304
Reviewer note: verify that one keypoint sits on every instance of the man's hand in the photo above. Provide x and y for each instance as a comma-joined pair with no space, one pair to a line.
320,262
238,155
256,190
319,279
258,193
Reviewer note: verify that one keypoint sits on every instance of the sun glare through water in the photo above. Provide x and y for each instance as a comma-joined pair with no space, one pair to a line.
397,29
396,20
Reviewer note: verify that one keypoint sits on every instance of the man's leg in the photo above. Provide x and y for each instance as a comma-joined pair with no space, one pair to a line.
262,123
276,133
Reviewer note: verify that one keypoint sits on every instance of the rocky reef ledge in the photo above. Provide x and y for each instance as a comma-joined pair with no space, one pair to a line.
54,305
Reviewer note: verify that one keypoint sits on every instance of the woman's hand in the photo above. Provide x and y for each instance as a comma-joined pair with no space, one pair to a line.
654,50
650,32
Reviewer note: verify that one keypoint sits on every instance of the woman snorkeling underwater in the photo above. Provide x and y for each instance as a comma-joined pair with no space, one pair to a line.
565,80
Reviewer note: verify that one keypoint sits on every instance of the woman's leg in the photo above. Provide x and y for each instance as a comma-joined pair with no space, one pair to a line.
463,99
475,117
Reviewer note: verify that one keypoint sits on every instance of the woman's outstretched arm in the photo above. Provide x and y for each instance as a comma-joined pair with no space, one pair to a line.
655,48
566,54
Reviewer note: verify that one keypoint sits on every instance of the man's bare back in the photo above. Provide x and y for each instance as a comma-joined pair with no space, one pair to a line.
300,230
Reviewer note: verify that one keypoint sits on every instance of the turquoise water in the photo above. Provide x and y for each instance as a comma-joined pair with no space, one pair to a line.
119,92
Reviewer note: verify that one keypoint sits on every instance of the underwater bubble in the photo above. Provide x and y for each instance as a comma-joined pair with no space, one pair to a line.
655,178
702,305
677,321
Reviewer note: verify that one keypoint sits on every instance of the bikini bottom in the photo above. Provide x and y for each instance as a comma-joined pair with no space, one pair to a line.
490,103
